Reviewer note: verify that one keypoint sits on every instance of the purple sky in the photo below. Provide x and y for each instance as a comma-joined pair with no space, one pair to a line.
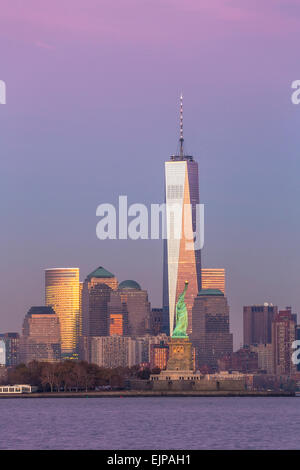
92,112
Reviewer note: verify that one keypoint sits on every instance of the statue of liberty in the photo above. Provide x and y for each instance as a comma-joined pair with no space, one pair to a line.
181,316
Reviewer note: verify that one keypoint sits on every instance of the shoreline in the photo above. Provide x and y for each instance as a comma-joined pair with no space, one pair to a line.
145,394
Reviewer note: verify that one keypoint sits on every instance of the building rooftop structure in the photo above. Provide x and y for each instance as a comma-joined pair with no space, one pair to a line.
101,273
205,292
42,310
129,284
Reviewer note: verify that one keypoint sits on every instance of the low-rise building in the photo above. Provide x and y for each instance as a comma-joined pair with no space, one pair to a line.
265,357
244,360
159,355
114,351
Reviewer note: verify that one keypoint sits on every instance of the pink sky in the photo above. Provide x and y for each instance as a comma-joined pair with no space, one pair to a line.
144,20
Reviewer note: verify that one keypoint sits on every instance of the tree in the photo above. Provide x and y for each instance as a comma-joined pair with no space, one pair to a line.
68,375
35,369
58,376
19,375
48,375
79,373
144,374
116,380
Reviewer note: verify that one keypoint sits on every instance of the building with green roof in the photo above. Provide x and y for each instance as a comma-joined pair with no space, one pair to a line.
100,273
210,292
129,284
211,336
96,292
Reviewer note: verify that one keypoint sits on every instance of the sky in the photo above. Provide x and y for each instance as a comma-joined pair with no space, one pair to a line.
92,109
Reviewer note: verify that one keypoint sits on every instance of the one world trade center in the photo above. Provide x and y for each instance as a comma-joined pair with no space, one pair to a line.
182,257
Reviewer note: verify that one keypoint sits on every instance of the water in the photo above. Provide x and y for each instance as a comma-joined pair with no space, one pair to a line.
150,423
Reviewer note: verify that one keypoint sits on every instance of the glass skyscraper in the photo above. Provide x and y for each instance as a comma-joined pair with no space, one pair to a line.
62,293
132,303
211,333
213,278
181,260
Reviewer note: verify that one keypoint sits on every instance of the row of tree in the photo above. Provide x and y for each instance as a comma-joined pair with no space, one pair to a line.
72,375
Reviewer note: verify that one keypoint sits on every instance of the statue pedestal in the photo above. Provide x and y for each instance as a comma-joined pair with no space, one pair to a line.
179,373
180,355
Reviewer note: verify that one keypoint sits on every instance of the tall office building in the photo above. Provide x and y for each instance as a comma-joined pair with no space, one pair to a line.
211,336
156,320
213,279
62,294
258,323
40,340
283,335
181,260
96,292
130,304
80,309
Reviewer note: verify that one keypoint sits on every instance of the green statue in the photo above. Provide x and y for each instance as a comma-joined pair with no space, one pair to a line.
181,316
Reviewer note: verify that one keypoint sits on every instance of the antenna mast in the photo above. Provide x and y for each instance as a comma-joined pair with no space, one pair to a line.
181,139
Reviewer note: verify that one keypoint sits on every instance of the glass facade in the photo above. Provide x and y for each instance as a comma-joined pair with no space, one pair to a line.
258,323
116,324
62,293
96,294
40,340
134,306
211,333
181,263
213,279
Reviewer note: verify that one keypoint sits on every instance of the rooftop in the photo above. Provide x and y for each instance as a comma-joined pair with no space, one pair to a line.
179,158
100,273
129,284
62,269
42,310
212,292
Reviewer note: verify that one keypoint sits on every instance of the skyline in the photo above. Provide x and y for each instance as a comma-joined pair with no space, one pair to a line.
78,137
214,280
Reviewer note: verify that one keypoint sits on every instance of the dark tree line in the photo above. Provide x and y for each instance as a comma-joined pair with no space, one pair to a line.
71,375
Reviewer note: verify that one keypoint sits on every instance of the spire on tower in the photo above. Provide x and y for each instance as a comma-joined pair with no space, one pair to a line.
180,156
181,139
